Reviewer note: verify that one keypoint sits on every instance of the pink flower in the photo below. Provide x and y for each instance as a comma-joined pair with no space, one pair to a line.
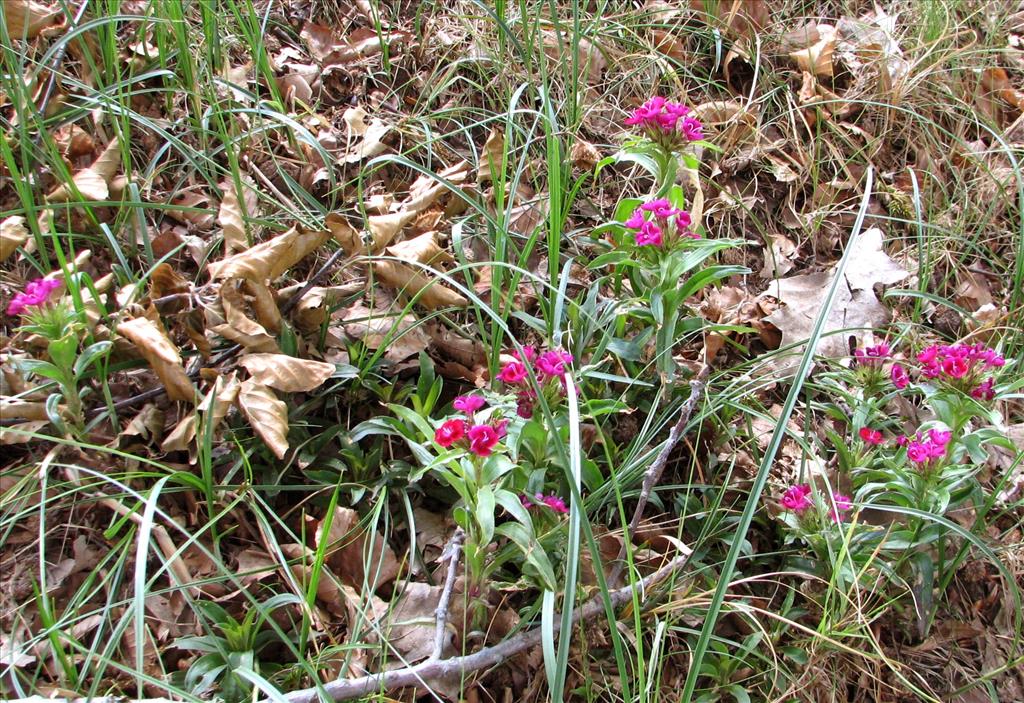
528,355
468,404
513,372
842,504
918,452
940,437
661,208
872,356
683,221
649,235
553,363
36,293
525,500
482,439
985,390
871,436
899,376
955,367
692,129
450,432
501,427
636,220
902,440
668,123
553,502
797,498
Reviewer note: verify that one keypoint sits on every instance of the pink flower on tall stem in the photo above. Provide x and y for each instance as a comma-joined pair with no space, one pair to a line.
899,376
554,502
797,498
841,504
667,123
468,404
514,372
872,356
482,439
649,234
870,436
553,363
450,432
36,293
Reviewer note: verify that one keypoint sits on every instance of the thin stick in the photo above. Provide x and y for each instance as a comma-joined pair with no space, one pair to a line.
441,613
440,669
653,474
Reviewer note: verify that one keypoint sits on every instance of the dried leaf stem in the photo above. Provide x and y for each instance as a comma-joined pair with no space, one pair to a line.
653,474
441,669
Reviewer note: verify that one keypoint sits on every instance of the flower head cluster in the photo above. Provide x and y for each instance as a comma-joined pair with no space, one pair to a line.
667,123
872,356
479,439
36,293
468,404
547,366
924,449
552,501
962,365
667,225
870,436
798,499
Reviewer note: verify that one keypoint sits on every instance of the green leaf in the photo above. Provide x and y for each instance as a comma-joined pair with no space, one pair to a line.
485,513
42,368
63,351
89,356
532,551
412,419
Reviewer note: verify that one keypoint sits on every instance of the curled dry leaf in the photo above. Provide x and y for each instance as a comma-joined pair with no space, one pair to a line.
263,303
358,556
28,18
231,217
269,260
410,280
93,182
12,235
180,438
219,399
817,58
401,335
267,415
286,373
492,156
238,326
157,349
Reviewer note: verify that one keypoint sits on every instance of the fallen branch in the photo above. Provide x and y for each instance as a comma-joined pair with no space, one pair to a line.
653,473
441,669
441,614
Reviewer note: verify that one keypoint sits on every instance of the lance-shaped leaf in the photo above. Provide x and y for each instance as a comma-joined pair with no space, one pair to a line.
286,373
267,415
94,182
267,261
152,342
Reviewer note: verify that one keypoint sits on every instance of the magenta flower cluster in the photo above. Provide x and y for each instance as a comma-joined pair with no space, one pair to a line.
478,439
36,293
548,365
798,499
552,501
667,224
666,122
924,449
961,365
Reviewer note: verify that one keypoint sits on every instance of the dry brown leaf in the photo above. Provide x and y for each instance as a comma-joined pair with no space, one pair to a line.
11,408
356,555
590,62
263,303
817,58
27,18
855,308
231,219
154,345
180,438
196,209
401,336
286,373
21,432
13,234
93,182
269,260
166,281
147,424
384,228
778,258
267,415
408,282
372,143
238,326
492,156
219,399
410,625
344,234
423,249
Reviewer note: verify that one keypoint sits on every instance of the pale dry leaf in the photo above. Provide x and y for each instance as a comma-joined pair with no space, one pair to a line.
384,228
27,18
93,182
231,220
372,143
344,234
355,122
286,373
13,234
161,354
856,308
423,249
408,282
263,303
11,408
492,156
269,260
401,335
21,432
267,415
778,258
410,625
192,208
180,438
147,424
817,58
238,326
219,399
589,61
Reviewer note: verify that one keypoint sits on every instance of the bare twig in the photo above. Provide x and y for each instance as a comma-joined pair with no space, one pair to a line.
653,474
441,614
441,669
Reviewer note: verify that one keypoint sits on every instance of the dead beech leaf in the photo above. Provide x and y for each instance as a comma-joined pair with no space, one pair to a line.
238,326
267,415
409,626
219,399
192,208
93,182
27,18
180,438
409,282
21,432
231,219
401,336
344,234
492,157
372,143
855,308
161,354
817,58
778,258
286,373
269,260
24,409
13,234
384,228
